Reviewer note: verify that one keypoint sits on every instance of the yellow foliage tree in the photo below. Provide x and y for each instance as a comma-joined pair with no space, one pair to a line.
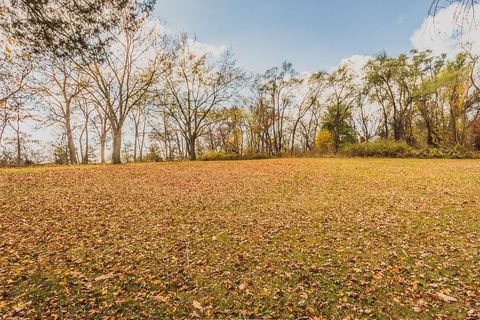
324,141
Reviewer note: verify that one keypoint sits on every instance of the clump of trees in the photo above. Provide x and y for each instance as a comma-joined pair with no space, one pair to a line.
126,91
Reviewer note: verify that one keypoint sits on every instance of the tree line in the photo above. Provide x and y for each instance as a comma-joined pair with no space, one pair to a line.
143,94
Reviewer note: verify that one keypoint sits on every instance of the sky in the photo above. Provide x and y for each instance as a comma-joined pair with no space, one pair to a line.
312,34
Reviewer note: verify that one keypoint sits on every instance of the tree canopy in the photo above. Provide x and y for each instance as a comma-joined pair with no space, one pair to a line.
64,26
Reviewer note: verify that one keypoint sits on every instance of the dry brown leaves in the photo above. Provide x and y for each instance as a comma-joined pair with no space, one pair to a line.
302,238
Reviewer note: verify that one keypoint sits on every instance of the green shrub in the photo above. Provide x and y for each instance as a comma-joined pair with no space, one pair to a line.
380,148
153,154
223,156
256,156
457,152
218,156
392,149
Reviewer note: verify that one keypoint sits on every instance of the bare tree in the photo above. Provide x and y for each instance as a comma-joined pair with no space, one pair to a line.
62,86
125,76
15,72
195,84
365,118
139,117
20,113
86,110
101,126
308,98
276,88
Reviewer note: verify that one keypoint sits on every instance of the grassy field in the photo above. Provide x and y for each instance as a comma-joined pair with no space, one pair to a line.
288,238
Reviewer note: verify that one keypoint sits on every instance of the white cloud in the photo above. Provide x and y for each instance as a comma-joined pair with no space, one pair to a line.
356,62
201,48
450,31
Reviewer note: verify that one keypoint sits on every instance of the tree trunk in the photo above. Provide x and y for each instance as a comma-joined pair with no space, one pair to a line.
19,142
294,132
142,141
336,141
396,129
85,160
102,148
82,156
71,144
385,122
116,145
453,126
135,143
191,149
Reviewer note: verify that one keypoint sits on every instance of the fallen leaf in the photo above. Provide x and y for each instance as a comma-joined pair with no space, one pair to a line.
197,305
445,298
161,298
103,277
264,292
242,286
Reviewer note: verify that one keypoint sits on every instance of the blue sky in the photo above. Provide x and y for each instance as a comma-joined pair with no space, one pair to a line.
312,34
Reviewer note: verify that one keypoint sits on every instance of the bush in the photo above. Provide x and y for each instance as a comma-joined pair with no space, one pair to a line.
380,148
392,149
224,156
475,134
218,156
153,154
256,155
324,141
457,152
